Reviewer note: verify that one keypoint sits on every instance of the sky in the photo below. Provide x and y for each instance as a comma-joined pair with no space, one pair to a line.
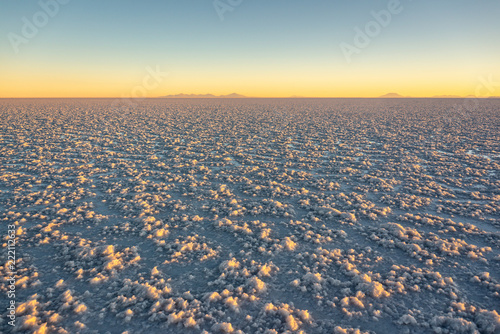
258,48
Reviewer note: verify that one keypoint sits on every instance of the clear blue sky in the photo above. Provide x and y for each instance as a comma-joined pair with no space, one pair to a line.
261,48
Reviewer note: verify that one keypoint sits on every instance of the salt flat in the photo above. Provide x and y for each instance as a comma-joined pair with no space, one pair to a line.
251,215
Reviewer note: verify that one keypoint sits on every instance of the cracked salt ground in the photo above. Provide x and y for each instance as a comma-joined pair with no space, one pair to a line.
261,216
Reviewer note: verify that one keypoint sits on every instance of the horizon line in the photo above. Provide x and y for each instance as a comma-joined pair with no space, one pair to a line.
252,97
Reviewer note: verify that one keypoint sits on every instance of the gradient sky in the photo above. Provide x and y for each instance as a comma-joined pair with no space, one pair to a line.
96,48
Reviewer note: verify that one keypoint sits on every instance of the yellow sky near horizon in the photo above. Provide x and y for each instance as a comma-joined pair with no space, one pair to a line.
332,82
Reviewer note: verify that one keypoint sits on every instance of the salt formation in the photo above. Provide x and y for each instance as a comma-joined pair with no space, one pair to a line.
250,216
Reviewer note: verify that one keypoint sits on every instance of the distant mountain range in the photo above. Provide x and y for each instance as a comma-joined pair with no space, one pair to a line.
205,96
238,96
392,96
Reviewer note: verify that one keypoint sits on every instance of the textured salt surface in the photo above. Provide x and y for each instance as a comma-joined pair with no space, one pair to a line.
251,216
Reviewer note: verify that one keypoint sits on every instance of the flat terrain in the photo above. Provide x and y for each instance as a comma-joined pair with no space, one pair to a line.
251,215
